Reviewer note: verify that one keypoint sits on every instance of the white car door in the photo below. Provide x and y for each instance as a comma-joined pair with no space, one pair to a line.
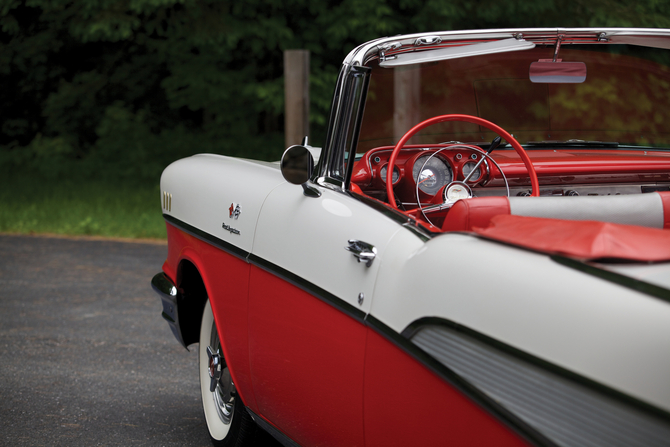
308,297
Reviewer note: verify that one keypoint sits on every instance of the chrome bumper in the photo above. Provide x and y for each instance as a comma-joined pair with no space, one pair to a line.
170,297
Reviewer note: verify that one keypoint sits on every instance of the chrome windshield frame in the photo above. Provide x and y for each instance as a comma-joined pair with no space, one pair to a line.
333,170
350,93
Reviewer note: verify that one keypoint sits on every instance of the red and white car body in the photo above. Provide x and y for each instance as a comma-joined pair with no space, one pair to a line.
461,311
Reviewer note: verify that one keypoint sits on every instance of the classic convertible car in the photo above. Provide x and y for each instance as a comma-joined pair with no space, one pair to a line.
479,254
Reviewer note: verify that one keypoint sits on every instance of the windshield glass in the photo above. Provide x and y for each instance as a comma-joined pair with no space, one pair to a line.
623,100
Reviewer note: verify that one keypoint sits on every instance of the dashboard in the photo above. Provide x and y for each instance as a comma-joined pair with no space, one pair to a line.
421,172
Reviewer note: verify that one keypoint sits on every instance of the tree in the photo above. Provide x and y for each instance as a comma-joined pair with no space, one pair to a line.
123,87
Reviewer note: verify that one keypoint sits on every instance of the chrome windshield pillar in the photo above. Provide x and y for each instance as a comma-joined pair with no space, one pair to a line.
344,126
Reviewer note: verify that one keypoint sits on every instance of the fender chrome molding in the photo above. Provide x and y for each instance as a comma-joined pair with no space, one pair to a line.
566,407
206,237
502,414
276,270
601,271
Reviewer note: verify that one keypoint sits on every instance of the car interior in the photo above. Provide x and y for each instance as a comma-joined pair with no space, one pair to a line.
458,144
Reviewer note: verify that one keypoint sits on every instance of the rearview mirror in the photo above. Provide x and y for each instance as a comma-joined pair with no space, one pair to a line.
549,72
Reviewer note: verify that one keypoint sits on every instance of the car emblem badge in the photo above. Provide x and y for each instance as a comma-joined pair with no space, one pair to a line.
235,210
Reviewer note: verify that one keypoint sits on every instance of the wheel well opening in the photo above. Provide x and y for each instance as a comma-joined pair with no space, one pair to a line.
193,296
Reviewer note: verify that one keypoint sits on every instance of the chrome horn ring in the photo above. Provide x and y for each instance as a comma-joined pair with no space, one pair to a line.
447,203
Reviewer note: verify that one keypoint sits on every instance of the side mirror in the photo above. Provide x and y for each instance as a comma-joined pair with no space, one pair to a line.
297,164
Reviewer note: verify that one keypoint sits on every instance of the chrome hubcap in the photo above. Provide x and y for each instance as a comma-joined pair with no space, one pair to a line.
221,382
214,368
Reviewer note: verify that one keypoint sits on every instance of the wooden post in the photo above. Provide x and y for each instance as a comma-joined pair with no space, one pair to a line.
296,87
406,100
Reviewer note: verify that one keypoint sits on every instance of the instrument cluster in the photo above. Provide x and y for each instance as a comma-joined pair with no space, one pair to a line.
427,169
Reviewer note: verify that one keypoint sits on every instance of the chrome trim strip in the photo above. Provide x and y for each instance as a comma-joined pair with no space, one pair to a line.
276,270
547,36
601,272
308,287
489,405
206,237
544,394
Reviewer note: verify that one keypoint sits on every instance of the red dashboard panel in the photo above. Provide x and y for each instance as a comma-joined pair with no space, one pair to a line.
445,162
553,167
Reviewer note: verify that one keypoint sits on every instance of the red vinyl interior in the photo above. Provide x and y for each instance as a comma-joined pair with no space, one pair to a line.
490,217
581,239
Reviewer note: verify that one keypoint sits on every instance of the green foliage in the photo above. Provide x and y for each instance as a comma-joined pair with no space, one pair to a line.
119,88
73,207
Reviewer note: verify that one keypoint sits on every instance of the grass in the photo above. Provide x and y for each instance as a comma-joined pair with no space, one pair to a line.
30,205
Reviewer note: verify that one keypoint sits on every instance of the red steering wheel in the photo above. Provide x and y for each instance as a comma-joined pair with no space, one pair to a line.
470,119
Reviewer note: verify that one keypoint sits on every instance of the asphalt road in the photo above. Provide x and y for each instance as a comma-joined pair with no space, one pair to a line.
85,358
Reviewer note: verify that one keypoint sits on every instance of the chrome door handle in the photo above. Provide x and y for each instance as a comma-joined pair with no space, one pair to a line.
362,251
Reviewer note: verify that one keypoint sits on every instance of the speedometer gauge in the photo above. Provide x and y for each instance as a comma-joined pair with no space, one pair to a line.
431,174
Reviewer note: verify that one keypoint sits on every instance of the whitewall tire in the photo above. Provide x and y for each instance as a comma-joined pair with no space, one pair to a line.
228,422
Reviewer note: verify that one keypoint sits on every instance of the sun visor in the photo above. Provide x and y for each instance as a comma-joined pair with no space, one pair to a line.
455,52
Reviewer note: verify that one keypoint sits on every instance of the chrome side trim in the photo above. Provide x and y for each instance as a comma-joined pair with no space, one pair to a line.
504,416
308,287
206,237
601,271
565,407
276,270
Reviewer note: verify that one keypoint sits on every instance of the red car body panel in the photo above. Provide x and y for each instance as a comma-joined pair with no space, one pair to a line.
404,401
341,383
307,362
226,278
